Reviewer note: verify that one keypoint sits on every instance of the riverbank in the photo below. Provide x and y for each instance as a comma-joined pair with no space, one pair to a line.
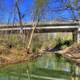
11,55
17,57
72,53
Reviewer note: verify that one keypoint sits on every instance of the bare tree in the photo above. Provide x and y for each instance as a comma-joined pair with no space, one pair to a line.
39,5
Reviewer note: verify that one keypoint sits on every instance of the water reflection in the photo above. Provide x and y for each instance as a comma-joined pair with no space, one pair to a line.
47,67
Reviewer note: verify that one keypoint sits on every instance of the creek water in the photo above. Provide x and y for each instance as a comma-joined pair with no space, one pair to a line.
47,67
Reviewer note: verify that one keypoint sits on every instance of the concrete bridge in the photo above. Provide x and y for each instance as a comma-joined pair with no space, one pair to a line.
45,27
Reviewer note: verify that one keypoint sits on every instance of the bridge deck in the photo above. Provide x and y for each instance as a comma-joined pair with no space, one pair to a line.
45,28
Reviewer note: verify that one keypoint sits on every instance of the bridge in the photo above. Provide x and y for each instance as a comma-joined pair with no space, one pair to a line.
45,27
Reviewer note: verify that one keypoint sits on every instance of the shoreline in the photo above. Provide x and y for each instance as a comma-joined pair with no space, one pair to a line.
72,53
23,57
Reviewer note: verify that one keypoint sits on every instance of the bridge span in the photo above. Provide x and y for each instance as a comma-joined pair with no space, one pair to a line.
45,27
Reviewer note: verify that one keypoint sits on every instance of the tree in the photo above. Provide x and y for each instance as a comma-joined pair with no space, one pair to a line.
39,5
74,6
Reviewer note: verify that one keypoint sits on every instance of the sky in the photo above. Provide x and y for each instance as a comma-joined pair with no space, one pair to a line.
26,7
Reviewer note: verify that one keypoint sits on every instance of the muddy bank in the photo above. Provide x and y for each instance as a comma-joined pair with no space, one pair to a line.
72,53
11,55
14,57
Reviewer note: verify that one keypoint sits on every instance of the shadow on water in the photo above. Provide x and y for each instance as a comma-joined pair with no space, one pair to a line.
48,67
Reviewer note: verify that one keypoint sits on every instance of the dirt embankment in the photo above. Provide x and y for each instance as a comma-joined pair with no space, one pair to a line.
12,55
73,53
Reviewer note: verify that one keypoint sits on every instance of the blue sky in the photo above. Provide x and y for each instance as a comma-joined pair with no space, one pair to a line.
6,11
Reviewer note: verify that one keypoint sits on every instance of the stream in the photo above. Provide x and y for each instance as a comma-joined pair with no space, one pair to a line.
47,67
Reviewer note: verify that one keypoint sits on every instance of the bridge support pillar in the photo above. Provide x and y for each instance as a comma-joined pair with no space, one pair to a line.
74,34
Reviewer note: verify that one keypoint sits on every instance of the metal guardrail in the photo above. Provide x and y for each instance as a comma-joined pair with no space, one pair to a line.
43,27
51,23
